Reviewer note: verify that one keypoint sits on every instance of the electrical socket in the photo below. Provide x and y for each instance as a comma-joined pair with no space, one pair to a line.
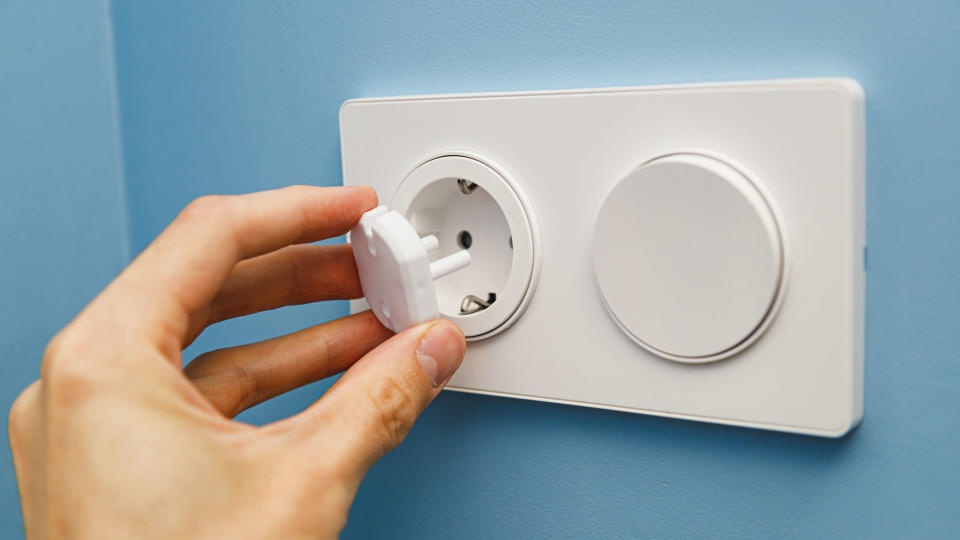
701,245
470,203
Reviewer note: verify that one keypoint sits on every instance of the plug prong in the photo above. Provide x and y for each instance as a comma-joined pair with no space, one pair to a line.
449,264
430,242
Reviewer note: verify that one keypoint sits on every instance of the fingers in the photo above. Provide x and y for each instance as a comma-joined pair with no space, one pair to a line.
181,271
238,378
289,276
372,407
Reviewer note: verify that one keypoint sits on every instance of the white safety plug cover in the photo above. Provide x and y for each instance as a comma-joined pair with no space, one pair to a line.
395,271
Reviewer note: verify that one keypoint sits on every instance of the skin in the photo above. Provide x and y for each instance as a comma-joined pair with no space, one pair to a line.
116,440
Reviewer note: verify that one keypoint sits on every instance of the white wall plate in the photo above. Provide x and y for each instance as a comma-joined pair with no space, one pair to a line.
690,251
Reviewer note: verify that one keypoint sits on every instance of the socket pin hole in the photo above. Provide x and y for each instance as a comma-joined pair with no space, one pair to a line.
465,239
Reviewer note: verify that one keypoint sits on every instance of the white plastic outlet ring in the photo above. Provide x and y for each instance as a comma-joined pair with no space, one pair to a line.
489,210
690,257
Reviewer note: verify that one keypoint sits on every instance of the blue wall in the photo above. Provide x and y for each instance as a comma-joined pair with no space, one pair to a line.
231,96
62,222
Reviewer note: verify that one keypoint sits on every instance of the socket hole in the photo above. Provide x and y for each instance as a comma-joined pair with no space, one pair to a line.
465,239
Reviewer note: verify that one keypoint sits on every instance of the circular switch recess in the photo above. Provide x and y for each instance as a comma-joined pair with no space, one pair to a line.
469,203
689,257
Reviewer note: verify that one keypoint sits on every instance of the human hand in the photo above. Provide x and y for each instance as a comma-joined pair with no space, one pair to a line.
117,441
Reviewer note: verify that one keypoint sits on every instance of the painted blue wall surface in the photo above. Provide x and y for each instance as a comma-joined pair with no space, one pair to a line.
229,96
62,218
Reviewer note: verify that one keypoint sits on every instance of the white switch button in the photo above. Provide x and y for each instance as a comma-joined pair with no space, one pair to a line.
689,257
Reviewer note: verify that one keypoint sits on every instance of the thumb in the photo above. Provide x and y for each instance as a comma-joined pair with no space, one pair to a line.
373,406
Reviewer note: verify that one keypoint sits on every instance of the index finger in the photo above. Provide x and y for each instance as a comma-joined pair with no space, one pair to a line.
186,264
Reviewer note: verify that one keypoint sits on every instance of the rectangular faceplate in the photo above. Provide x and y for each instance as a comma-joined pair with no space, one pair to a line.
792,150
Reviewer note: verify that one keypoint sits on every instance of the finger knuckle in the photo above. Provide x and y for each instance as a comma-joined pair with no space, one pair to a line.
205,207
55,346
396,410
55,352
71,383
66,369
22,409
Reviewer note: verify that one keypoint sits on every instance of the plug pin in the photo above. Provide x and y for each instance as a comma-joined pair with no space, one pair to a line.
449,264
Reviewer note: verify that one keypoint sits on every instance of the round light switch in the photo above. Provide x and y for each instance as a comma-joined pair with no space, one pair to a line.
689,258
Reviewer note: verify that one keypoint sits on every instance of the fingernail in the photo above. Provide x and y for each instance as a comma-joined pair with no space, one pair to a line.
440,352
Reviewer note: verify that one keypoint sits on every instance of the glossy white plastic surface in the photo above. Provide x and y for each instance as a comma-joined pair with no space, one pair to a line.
799,143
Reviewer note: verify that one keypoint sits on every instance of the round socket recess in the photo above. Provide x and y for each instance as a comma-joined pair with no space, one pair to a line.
689,257
470,203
